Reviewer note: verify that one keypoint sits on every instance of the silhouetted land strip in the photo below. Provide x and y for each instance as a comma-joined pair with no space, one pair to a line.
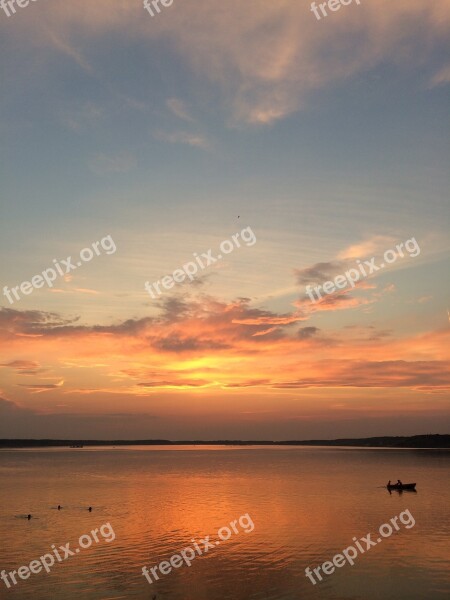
415,441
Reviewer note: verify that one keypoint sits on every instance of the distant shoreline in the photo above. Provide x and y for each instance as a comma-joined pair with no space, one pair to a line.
431,441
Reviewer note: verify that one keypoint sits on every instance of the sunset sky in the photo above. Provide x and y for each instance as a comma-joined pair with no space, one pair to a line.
328,139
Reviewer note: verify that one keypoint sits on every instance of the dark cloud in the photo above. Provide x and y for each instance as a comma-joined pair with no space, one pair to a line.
201,280
250,383
305,333
30,322
176,343
20,364
176,383
369,332
398,373
184,325
320,272
24,367
174,309
40,386
342,300
38,323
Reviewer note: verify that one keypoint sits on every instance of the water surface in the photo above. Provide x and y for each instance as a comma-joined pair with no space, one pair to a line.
306,505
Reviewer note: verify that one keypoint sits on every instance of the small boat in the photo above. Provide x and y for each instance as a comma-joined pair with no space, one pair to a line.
404,486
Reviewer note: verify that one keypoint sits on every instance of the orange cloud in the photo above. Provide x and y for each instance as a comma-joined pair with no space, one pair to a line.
204,343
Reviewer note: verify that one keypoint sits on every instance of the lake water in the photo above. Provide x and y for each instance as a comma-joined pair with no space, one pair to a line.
306,505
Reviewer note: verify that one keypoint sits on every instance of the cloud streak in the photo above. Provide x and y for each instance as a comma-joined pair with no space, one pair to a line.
266,61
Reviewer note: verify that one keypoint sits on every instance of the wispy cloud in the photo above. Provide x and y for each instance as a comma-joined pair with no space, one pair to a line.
38,388
179,109
21,364
24,367
85,116
267,61
368,248
64,46
183,137
87,291
442,77
102,164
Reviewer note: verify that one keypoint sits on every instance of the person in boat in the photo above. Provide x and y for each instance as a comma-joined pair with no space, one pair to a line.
90,509
399,482
29,517
389,483
59,507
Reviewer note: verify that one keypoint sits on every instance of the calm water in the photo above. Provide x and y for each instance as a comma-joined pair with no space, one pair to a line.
306,505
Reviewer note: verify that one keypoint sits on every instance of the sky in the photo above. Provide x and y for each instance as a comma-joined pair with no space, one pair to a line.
316,143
